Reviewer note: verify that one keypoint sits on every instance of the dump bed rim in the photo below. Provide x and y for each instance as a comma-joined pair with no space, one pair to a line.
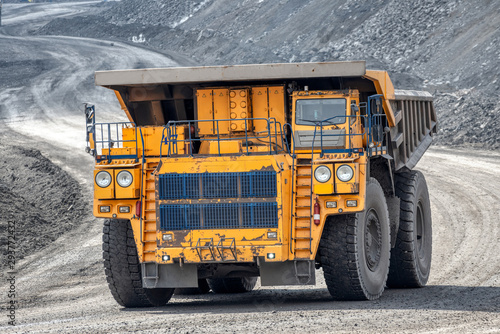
405,94
206,74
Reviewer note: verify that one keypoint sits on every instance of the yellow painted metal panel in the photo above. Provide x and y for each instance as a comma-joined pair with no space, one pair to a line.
225,147
260,108
152,136
123,106
120,151
204,147
239,102
249,242
242,237
348,187
383,85
221,110
204,110
131,191
244,254
104,193
277,106
325,188
114,205
128,134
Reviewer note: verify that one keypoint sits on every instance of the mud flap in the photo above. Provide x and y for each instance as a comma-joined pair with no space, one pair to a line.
156,275
393,205
287,273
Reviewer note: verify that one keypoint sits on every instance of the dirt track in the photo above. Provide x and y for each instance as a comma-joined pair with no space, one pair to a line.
62,287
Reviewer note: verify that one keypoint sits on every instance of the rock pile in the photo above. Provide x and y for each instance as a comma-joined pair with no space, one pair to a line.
447,47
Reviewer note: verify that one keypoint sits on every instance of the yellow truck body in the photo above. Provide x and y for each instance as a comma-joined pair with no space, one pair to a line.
234,171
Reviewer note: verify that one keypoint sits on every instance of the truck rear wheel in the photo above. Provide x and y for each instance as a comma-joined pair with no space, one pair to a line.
355,249
123,270
232,284
411,256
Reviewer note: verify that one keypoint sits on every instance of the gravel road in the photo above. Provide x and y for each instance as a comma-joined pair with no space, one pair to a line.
46,79
62,288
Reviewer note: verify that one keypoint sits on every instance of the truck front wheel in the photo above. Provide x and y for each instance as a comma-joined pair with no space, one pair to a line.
123,270
411,256
355,249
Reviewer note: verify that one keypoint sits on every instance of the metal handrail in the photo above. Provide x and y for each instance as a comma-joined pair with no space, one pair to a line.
368,122
268,137
111,136
292,155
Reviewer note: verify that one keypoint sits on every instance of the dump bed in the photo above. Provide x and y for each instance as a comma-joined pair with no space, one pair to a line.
416,122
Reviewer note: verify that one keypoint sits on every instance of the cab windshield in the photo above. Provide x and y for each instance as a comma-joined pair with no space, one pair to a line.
312,111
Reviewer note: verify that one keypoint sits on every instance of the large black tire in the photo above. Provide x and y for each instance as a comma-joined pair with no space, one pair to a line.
123,270
411,256
355,249
202,289
232,284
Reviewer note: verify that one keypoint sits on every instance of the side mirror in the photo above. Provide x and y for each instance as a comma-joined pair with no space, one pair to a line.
90,128
354,108
89,113
354,112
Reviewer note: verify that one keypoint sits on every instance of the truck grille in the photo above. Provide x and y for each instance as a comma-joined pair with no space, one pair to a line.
217,185
220,215
244,201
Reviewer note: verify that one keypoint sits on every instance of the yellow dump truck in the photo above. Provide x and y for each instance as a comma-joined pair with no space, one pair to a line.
224,174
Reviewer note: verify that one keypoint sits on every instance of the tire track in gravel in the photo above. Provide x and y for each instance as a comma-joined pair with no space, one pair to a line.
463,295
466,216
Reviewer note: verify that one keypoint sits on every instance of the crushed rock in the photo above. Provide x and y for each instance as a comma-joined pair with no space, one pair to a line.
443,46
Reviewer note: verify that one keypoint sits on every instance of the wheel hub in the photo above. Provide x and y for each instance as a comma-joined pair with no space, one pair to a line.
419,225
373,239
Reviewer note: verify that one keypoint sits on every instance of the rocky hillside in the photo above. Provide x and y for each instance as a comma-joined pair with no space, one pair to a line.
448,47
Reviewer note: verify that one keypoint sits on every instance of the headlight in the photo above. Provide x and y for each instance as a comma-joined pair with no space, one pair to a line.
345,173
103,179
322,174
124,178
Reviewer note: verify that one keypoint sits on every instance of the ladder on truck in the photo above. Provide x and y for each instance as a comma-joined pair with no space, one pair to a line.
149,212
301,236
301,220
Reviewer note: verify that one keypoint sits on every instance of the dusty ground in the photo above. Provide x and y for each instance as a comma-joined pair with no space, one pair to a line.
61,288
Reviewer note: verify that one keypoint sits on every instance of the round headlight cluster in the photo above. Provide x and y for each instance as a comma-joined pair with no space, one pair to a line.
103,179
124,179
345,173
322,174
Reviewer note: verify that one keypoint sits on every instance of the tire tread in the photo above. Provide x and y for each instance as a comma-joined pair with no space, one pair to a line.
123,270
403,271
339,258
